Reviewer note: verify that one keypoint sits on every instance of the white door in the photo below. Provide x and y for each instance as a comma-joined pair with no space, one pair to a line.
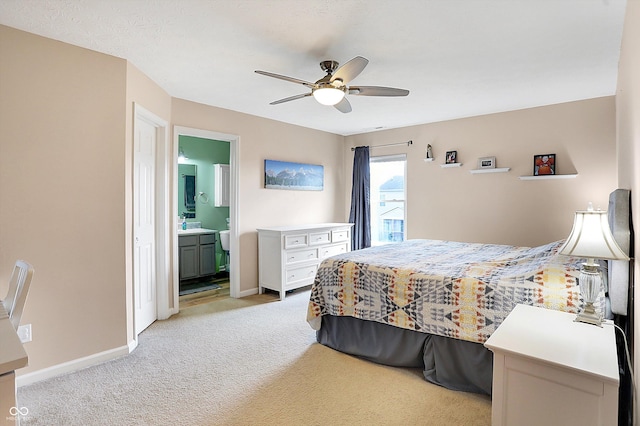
144,268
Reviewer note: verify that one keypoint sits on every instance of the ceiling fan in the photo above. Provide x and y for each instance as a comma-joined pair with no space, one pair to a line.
332,88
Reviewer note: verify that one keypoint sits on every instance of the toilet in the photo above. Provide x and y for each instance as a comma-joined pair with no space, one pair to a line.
224,242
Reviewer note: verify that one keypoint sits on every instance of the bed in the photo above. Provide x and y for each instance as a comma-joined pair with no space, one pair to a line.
432,304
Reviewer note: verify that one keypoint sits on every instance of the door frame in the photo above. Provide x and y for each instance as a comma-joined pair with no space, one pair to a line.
161,214
234,162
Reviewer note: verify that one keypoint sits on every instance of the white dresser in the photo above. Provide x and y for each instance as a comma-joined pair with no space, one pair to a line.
550,370
289,256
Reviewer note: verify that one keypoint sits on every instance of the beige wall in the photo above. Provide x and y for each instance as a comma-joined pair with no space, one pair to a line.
453,204
628,132
62,180
262,139
66,126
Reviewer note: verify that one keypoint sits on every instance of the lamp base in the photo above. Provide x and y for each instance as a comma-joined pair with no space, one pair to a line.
589,281
589,316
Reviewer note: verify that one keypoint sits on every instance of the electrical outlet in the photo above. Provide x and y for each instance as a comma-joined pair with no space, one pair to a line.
24,333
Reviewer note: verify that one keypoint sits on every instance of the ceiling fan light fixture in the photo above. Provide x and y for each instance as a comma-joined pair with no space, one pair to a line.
328,95
332,88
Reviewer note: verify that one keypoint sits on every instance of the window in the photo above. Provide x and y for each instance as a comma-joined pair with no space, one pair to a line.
388,199
393,229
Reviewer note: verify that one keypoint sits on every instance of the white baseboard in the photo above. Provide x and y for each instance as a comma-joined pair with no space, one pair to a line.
250,292
76,364
170,313
133,344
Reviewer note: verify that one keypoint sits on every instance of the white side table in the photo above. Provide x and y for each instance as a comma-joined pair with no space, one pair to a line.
12,357
548,369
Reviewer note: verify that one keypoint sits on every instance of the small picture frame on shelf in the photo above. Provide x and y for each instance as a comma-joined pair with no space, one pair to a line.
487,163
451,157
544,164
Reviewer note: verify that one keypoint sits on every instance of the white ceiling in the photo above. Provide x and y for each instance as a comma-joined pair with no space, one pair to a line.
458,58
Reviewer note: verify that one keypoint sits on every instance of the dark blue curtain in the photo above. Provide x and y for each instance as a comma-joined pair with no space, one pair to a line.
360,214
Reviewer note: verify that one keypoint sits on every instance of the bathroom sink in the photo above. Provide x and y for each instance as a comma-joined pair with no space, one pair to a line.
196,231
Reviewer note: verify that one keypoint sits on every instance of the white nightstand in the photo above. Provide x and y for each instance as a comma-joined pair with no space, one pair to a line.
550,370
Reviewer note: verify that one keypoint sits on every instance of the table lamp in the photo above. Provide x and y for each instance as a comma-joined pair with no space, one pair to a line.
591,238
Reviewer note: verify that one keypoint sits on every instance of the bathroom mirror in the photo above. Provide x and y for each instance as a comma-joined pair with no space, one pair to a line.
187,190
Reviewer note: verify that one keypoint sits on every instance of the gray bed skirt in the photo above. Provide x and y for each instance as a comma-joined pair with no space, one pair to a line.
454,364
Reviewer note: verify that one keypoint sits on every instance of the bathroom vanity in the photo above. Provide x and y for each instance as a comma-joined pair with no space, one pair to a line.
197,248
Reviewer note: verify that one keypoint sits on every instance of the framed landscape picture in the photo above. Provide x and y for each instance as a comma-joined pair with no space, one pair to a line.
544,164
294,176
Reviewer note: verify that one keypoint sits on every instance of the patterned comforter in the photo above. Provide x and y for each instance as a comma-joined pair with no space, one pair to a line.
452,289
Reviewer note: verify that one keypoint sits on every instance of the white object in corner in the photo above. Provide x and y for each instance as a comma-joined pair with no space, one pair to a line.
12,357
222,178
549,369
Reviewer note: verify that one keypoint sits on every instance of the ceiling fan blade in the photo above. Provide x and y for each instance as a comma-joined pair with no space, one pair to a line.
377,91
343,106
285,78
350,70
291,98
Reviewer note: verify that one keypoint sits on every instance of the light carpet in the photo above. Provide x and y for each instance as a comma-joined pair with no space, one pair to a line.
249,361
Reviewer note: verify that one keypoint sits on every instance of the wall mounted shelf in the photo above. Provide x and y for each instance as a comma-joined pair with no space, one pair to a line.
495,170
450,165
549,177
426,160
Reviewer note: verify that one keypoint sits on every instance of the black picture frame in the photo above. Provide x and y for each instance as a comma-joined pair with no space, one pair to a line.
451,157
544,164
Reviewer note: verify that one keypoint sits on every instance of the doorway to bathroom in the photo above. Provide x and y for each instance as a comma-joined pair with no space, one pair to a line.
205,207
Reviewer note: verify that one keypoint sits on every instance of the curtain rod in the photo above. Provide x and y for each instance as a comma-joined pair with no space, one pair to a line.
388,144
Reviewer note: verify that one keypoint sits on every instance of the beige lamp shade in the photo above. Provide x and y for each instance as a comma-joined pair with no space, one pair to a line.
591,238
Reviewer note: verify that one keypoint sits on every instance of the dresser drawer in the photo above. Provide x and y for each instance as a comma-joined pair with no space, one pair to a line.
340,235
306,273
320,238
332,250
294,256
296,240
